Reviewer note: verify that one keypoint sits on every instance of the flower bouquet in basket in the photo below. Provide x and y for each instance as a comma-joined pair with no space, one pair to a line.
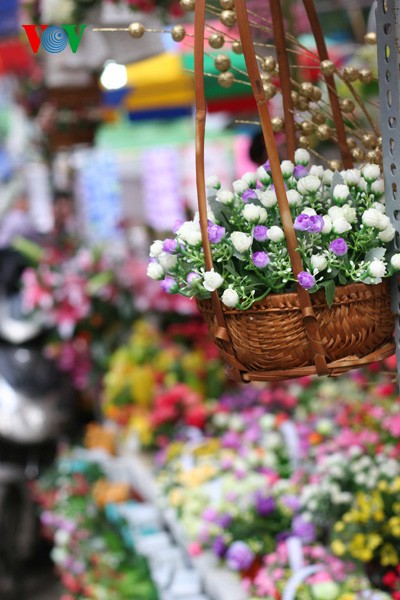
343,236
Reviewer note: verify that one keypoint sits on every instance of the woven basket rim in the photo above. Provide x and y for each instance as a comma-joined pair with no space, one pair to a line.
344,294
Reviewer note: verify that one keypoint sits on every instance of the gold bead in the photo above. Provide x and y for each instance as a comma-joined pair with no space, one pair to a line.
304,141
269,89
228,18
237,48
222,62
302,104
379,155
347,105
365,76
317,94
136,30
187,5
369,141
307,89
350,74
226,80
358,154
178,33
227,4
379,142
328,67
370,38
335,165
216,40
324,132
295,97
318,117
351,143
278,124
372,156
307,127
268,64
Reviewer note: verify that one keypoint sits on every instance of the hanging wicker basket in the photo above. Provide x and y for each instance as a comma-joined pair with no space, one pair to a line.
294,334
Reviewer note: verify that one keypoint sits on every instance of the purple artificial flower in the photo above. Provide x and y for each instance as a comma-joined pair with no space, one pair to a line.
230,439
170,245
210,514
260,233
292,502
177,225
192,277
338,247
224,520
219,546
265,505
215,233
302,222
169,285
303,529
267,166
316,224
249,195
306,280
300,171
260,259
239,556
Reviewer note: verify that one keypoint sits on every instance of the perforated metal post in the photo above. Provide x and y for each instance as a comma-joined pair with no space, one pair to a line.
388,44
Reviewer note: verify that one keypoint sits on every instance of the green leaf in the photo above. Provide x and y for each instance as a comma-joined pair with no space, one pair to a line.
330,289
222,212
97,282
33,252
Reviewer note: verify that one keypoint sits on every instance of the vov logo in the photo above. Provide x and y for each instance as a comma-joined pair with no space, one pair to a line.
54,38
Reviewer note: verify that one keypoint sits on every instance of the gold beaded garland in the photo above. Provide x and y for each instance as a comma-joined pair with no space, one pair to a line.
222,62
370,38
351,143
278,124
350,74
268,64
227,4
369,141
304,141
228,18
178,33
136,30
335,165
324,132
347,105
187,5
358,154
307,127
216,40
365,76
318,117
328,67
269,89
237,48
302,104
306,89
317,94
226,79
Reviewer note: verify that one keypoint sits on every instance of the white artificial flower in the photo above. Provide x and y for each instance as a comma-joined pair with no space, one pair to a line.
341,192
267,198
239,187
190,232
308,185
340,225
327,177
230,298
225,196
293,197
287,168
349,213
167,261
301,157
327,228
395,261
383,222
387,234
156,248
267,421
275,234
371,218
317,170
212,181
236,423
155,271
250,178
377,268
319,262
241,241
378,187
362,185
52,11
371,172
351,176
379,207
62,537
212,280
309,211
263,175
254,213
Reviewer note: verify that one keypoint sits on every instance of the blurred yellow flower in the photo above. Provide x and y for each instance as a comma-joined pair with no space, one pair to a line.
338,547
389,556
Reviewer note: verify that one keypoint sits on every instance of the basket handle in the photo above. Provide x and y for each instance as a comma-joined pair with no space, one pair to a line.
309,319
316,29
221,332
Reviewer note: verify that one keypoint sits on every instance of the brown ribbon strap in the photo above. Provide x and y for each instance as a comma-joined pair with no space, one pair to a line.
201,112
345,152
284,76
309,319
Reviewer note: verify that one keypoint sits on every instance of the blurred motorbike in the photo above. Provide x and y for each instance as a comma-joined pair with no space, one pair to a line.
35,412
